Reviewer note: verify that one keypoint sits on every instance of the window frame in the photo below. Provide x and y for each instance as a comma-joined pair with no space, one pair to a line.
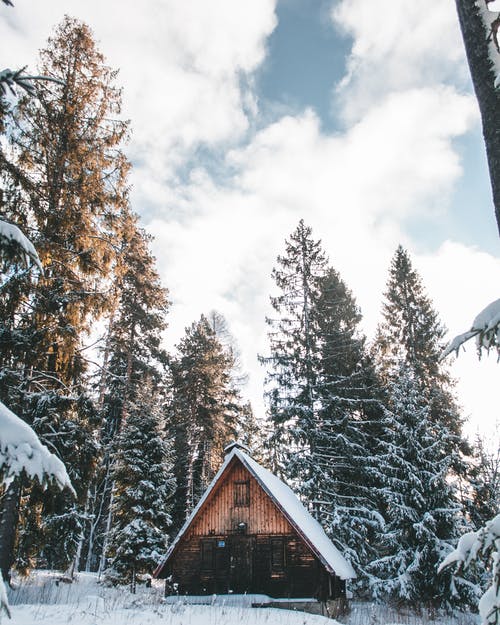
241,493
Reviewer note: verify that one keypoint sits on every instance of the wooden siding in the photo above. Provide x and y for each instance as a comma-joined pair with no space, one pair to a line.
266,555
221,516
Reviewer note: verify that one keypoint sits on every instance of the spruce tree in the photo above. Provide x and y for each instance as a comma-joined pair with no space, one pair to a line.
202,414
322,396
420,452
345,487
132,354
294,362
411,332
143,487
423,517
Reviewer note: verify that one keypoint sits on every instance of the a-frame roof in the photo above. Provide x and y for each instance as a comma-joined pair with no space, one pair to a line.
286,501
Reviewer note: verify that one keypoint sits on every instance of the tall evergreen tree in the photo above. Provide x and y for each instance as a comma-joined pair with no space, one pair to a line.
346,475
411,332
66,180
143,487
322,400
132,354
202,414
294,361
423,516
485,482
423,444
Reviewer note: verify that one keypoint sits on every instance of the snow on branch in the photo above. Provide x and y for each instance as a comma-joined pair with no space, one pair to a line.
484,544
12,234
21,450
486,329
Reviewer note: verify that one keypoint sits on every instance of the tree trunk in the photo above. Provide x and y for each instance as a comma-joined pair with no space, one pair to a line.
475,35
9,516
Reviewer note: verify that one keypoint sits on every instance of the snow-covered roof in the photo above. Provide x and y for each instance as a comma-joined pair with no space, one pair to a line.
293,510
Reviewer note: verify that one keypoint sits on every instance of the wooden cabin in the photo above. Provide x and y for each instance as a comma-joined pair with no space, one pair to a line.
250,534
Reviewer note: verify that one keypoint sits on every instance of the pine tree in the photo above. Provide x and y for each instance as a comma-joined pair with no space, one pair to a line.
143,489
411,332
202,414
294,361
485,483
344,489
422,452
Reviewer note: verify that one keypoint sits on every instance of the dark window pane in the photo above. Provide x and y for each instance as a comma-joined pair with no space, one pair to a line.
207,555
277,554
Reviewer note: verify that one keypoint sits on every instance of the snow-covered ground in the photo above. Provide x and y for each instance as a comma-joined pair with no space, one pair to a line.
40,601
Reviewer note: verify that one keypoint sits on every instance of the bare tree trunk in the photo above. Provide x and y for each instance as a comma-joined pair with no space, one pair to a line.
476,35
9,516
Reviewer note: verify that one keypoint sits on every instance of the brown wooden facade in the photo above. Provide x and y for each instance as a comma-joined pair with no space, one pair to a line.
241,542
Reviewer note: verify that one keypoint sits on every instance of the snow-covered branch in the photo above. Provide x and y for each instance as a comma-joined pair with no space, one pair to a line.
486,329
21,450
484,544
9,233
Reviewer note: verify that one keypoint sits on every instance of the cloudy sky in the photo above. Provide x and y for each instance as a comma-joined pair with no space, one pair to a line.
247,116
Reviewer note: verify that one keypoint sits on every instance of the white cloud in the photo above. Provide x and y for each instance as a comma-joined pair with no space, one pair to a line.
397,46
181,65
217,236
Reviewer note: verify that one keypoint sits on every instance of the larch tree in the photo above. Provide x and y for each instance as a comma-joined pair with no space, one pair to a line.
66,181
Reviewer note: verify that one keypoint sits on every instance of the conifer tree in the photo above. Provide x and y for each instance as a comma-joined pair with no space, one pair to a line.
423,445
345,487
423,516
143,487
485,483
66,180
294,361
322,396
133,353
202,414
411,332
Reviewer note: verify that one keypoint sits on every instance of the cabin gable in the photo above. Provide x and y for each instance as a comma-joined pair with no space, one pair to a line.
239,504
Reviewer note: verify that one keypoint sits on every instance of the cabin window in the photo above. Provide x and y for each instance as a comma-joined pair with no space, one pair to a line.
242,493
277,554
207,555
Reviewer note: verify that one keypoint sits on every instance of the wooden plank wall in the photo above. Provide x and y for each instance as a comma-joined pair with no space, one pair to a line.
220,516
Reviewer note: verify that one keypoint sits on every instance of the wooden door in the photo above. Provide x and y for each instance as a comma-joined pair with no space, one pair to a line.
241,564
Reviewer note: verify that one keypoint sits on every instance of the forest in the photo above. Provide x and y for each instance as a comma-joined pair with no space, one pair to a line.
367,432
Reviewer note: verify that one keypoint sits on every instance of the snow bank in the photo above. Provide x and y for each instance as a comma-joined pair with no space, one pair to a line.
21,450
